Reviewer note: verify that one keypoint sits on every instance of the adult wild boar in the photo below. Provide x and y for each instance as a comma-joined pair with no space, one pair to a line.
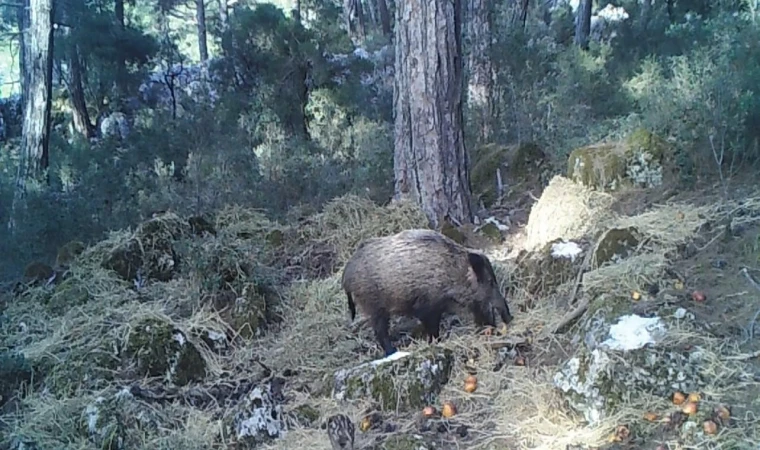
422,274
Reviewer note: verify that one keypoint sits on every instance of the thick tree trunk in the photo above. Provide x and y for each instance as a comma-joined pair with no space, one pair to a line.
480,70
430,160
583,24
385,17
224,20
36,123
200,19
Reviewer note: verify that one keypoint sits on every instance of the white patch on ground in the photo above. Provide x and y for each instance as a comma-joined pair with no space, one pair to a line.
566,249
394,357
633,332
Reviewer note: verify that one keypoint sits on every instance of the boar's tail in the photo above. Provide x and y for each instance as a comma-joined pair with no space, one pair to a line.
351,305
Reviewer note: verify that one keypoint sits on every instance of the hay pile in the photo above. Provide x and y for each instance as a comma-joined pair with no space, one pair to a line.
77,354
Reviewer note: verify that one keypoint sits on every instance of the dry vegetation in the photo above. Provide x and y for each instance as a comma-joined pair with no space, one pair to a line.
515,406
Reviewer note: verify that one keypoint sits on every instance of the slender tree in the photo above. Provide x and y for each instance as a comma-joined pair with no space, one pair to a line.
200,20
431,163
583,24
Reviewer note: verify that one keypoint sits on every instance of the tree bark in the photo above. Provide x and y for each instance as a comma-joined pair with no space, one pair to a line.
430,159
297,11
82,123
354,16
480,70
23,55
36,123
583,24
200,18
385,17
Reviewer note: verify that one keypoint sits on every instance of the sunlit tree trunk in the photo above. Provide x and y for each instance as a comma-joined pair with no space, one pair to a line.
36,123
430,160
200,18
583,24
22,19
479,86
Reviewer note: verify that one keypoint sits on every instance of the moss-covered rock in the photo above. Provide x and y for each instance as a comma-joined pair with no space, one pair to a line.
257,419
635,160
611,364
150,250
110,421
72,292
200,226
68,253
158,349
615,244
403,381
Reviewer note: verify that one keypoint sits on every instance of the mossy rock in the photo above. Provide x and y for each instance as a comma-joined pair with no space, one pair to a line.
492,232
453,233
72,292
635,160
150,250
158,349
616,244
247,312
519,163
110,421
305,415
404,381
200,226
600,166
38,271
69,252
541,272
88,367
275,238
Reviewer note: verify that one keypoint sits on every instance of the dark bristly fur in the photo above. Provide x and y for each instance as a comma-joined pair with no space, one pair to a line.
422,274
341,431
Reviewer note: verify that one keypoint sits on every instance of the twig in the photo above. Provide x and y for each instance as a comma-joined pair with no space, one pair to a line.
744,357
754,318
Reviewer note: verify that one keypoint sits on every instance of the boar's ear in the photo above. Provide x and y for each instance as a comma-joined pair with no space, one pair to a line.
479,265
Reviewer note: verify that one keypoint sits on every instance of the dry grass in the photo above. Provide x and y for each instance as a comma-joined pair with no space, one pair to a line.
516,407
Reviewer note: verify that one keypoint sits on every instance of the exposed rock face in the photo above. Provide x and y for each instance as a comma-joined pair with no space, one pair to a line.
401,381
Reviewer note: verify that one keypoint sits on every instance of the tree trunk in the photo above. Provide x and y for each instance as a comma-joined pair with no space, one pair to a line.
524,12
121,64
645,15
224,20
430,160
354,16
200,18
480,70
23,58
583,24
297,11
82,123
385,17
36,123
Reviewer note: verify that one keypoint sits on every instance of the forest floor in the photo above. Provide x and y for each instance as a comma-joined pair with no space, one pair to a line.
516,405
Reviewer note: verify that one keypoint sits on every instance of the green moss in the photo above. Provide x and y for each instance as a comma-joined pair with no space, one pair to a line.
275,238
599,166
641,140
491,231
616,242
451,232
520,161
69,252
157,352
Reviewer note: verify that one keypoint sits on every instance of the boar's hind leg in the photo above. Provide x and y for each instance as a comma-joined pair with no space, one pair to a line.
380,324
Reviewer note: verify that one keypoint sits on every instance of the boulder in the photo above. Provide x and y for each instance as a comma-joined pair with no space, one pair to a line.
68,253
615,244
402,381
257,419
517,164
540,272
636,160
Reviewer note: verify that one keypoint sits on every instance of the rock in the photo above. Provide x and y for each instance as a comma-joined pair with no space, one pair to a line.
257,419
110,420
636,160
566,210
68,253
616,244
158,349
626,356
200,226
149,252
72,292
542,271
404,381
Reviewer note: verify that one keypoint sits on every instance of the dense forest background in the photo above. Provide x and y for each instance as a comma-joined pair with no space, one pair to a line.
191,106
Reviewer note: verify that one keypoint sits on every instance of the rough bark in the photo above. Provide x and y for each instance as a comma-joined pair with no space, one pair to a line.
82,123
524,12
200,19
480,70
385,17
430,159
36,123
583,24
22,18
